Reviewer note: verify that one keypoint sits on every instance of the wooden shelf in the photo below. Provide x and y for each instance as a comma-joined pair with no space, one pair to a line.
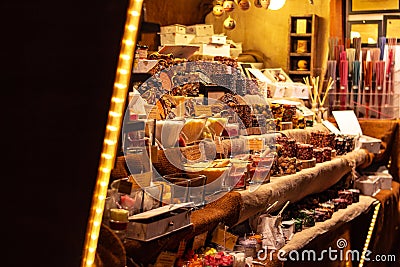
300,54
299,72
301,34
302,45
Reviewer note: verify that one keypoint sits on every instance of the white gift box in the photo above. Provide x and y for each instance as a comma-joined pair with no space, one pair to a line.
176,38
175,28
368,185
218,39
200,29
201,40
385,179
213,50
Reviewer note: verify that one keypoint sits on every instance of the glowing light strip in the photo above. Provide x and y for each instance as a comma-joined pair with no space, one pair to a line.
369,235
112,132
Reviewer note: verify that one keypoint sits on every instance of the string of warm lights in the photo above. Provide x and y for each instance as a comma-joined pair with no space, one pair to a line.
369,234
114,121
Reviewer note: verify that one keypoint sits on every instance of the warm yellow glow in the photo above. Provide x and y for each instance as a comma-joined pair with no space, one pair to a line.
109,142
120,85
276,4
117,100
115,114
369,234
128,42
120,91
125,57
123,71
132,28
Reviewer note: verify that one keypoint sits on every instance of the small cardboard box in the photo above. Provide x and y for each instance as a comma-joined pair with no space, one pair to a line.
175,28
368,185
277,75
218,39
349,125
214,50
301,26
385,179
200,29
201,40
176,38
159,222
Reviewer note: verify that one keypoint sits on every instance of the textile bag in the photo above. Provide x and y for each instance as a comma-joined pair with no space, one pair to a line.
270,228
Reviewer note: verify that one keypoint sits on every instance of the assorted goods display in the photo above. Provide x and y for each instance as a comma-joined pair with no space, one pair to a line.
271,231
207,130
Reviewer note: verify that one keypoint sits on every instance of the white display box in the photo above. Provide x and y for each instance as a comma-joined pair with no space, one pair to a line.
200,29
277,75
176,38
213,50
368,185
175,28
371,144
349,125
236,48
384,178
201,40
218,39
159,222
386,181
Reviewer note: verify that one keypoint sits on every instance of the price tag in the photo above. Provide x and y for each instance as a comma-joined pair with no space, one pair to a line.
165,259
202,110
256,144
224,238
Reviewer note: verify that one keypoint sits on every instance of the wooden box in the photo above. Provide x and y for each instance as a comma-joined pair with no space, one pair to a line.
159,222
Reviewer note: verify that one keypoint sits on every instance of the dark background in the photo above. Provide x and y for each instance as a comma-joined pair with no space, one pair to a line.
58,61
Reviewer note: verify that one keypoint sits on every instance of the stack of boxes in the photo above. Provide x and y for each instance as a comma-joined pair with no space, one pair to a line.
201,35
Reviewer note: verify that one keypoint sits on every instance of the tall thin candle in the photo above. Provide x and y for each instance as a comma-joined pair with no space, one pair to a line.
343,71
356,82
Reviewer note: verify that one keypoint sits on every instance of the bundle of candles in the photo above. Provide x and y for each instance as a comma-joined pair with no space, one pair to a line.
363,77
